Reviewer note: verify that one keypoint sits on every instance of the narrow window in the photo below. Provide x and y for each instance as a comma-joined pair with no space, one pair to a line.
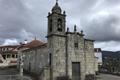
4,56
8,56
50,59
16,56
76,45
13,56
50,26
59,25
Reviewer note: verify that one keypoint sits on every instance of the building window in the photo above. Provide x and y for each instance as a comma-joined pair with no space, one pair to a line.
76,45
13,56
4,56
16,56
59,25
8,56
3,49
50,26
50,57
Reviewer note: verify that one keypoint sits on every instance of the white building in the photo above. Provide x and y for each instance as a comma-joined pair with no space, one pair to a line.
98,59
8,55
98,54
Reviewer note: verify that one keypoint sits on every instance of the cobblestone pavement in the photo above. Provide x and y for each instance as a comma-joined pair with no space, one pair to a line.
107,77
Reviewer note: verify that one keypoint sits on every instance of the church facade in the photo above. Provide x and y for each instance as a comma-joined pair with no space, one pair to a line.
66,55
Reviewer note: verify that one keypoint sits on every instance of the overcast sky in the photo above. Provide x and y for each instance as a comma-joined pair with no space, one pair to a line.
25,19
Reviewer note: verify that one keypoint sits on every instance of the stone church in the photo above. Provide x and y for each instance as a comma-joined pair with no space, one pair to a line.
66,55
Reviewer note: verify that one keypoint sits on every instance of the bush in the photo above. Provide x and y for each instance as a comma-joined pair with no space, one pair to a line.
90,77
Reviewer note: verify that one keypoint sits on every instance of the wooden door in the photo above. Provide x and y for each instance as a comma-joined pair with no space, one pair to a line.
76,71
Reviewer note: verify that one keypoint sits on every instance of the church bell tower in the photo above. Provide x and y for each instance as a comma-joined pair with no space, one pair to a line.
56,42
56,21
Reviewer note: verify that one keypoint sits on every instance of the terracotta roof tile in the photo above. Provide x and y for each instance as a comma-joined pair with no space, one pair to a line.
34,43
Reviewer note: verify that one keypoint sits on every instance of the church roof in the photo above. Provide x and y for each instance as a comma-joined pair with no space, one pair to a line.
89,40
34,43
56,8
44,45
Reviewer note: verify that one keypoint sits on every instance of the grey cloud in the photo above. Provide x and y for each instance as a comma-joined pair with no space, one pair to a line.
13,18
101,22
21,19
108,45
103,30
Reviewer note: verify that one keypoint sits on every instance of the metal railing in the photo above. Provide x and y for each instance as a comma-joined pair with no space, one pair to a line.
14,77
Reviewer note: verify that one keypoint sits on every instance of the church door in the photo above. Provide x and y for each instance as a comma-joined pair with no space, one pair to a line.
76,71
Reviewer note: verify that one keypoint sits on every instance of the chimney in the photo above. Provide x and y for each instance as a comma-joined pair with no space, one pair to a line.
25,41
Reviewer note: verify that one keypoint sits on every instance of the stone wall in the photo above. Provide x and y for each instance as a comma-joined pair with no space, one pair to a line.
45,74
57,49
76,54
99,56
89,57
96,65
36,59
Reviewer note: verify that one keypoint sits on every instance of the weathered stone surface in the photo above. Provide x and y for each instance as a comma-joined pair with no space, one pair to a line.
89,57
36,59
63,48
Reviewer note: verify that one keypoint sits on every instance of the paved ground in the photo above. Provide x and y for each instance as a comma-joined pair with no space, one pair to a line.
11,74
14,71
108,77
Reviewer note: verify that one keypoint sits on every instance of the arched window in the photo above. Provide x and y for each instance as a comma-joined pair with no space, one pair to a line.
59,24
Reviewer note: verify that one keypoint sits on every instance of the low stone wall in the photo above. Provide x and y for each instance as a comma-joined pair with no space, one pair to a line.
14,77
